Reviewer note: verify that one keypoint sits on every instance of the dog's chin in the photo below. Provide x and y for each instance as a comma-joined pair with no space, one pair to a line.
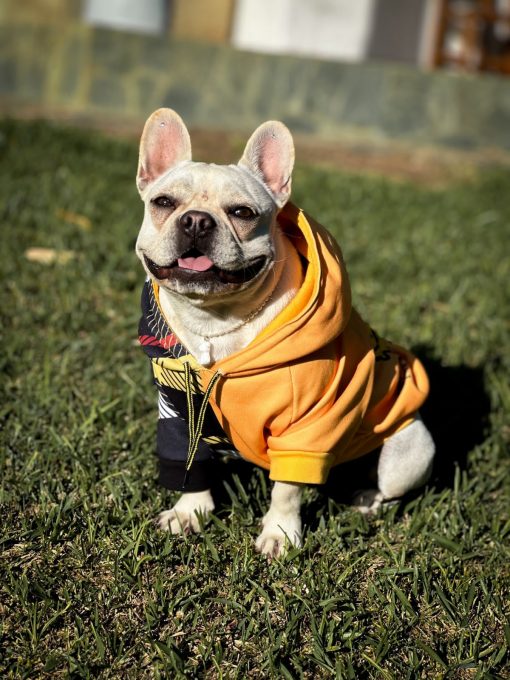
211,281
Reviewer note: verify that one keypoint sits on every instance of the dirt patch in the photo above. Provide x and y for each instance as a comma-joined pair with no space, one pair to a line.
427,166
430,166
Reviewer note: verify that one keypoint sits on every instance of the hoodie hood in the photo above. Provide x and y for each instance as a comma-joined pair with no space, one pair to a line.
321,307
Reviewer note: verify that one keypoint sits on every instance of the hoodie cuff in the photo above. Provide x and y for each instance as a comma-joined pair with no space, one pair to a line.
172,474
299,466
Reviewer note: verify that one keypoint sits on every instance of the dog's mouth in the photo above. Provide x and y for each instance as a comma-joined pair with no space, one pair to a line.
195,266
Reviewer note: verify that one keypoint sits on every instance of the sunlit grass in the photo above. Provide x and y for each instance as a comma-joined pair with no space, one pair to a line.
90,588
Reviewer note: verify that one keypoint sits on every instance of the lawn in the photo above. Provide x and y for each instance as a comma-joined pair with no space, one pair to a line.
90,588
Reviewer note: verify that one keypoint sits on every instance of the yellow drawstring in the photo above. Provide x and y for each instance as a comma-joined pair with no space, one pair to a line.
195,431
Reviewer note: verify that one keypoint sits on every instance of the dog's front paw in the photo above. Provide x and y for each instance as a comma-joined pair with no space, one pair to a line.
278,534
188,515
178,522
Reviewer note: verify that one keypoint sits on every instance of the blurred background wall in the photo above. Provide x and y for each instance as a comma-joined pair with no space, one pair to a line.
434,71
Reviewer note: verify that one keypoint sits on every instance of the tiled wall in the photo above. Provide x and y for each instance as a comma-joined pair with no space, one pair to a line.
82,71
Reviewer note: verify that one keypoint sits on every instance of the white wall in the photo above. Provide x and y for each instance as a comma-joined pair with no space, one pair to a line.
141,16
333,29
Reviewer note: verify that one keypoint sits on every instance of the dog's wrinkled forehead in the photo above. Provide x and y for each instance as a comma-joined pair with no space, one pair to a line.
266,163
218,187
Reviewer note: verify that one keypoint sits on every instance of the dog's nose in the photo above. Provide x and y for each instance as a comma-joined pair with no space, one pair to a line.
196,223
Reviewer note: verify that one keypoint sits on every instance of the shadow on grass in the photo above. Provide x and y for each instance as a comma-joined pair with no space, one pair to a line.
456,414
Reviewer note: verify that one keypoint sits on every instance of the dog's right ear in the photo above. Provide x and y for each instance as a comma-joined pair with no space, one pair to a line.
165,142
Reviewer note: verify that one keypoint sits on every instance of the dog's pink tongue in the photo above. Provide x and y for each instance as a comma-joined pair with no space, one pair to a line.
196,264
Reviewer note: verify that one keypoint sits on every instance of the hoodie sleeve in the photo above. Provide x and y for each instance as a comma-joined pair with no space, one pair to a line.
330,400
346,408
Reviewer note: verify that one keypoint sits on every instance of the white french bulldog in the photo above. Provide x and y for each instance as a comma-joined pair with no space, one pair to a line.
220,271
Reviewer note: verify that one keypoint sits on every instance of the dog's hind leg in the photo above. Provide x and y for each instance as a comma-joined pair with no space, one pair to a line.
405,463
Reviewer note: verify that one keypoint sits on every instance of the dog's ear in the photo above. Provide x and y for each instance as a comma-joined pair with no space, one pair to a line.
165,142
269,154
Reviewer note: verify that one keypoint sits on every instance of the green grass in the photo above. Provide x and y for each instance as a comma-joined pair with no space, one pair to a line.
90,588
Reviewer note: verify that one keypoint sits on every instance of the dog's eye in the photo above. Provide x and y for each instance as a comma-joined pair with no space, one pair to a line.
164,202
242,212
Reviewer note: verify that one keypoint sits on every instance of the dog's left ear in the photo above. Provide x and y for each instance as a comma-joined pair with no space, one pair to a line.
269,155
165,142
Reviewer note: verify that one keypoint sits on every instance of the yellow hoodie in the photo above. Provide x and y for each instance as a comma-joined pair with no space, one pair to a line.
317,387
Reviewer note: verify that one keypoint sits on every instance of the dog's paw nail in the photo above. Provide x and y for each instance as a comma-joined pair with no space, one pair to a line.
261,545
271,546
277,550
162,521
267,548
175,522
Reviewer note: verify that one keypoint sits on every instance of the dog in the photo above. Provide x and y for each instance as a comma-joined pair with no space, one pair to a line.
254,344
